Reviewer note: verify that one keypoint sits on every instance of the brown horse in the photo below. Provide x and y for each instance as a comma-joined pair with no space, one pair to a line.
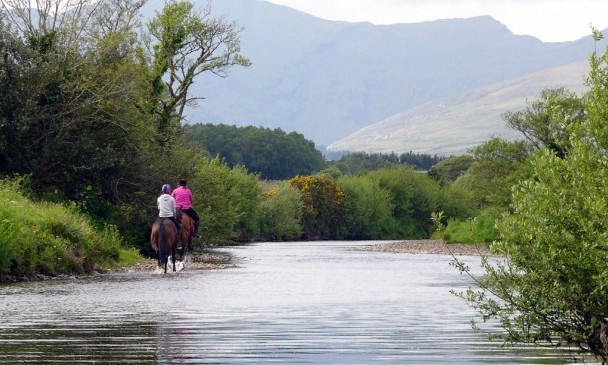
163,237
187,233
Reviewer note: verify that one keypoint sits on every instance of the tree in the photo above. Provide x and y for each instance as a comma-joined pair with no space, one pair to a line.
550,288
185,43
546,120
414,197
323,215
227,200
368,207
497,165
68,80
274,154
448,170
281,213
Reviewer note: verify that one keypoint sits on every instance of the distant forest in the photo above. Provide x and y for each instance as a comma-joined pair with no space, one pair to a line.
274,154
277,155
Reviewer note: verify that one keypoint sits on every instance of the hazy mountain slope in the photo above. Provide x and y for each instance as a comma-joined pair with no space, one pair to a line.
327,79
453,125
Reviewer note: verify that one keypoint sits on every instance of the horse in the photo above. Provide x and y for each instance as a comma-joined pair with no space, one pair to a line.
163,237
187,233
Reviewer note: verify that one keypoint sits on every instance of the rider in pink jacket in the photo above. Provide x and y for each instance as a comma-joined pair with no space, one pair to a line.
184,200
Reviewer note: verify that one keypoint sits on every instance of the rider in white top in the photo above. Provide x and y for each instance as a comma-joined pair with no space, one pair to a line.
166,209
166,204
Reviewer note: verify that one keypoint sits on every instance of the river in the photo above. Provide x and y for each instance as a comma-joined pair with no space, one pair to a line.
289,303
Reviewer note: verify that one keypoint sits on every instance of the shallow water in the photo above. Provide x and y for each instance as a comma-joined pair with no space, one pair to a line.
292,303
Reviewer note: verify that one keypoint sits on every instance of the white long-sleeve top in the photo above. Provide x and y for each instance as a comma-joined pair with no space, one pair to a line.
166,206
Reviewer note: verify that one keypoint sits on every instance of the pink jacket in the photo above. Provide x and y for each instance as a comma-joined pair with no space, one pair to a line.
183,197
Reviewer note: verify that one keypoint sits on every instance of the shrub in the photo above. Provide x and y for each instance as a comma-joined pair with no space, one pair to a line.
479,229
49,238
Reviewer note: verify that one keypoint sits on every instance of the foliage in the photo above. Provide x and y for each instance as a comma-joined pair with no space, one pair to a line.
323,214
273,154
83,101
414,197
448,170
226,199
184,44
70,121
356,162
281,213
545,122
368,207
478,229
551,286
498,164
51,239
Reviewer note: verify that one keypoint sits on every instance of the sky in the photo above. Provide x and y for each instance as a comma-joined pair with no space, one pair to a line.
548,20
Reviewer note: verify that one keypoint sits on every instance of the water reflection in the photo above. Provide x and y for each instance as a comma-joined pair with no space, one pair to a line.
316,303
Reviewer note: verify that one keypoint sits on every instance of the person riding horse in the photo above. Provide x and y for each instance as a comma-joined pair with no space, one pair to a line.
167,209
185,201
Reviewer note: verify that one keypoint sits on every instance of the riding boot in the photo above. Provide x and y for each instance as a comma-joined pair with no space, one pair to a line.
196,234
178,240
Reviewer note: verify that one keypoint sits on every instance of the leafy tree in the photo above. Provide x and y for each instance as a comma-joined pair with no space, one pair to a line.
184,44
448,170
498,164
273,154
71,121
550,288
368,207
545,121
281,213
362,161
323,215
227,200
414,196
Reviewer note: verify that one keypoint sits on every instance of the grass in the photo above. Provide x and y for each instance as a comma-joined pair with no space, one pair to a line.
52,239
480,229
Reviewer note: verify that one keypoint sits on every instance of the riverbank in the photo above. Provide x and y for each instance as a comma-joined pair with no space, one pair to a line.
436,247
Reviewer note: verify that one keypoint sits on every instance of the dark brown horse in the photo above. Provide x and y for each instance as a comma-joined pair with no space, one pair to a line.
163,238
187,233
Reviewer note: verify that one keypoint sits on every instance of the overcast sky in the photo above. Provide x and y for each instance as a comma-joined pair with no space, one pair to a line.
548,20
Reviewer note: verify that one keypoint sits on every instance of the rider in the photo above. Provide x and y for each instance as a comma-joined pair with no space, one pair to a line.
166,209
184,200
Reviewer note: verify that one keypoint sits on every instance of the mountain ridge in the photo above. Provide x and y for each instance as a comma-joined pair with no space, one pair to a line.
328,79
454,125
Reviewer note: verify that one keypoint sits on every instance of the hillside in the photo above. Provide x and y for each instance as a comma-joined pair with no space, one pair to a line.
328,79
451,126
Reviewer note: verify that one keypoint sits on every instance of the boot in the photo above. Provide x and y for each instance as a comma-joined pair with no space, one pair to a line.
178,240
196,234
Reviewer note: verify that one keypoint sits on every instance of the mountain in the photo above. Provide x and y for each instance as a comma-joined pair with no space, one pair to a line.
453,125
328,79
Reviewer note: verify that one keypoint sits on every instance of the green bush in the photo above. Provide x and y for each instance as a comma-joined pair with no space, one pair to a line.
49,238
368,207
227,201
414,196
281,213
479,229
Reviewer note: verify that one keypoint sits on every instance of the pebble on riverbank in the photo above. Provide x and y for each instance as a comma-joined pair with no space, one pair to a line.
207,260
437,247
